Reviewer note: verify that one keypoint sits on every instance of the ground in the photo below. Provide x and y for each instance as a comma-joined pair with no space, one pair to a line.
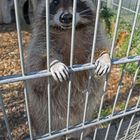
13,96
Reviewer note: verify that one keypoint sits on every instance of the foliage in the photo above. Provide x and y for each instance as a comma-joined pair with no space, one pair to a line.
106,14
123,38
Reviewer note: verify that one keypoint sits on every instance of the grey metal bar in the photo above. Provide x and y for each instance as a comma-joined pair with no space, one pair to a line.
138,102
99,114
48,61
75,68
115,101
105,85
71,60
127,54
130,92
95,31
132,11
5,117
116,28
73,32
112,48
22,64
92,58
126,134
131,121
138,126
89,124
133,28
133,116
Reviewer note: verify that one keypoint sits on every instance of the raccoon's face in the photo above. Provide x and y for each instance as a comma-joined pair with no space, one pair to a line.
61,13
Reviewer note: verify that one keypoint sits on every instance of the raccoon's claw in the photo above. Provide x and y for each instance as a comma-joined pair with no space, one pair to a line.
59,71
103,65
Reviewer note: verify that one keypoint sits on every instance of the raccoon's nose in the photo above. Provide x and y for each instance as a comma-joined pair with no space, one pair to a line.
66,18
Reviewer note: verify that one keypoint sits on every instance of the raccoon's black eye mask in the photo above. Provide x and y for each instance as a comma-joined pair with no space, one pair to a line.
60,13
54,6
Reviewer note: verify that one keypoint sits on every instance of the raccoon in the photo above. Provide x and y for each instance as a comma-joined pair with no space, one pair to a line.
61,16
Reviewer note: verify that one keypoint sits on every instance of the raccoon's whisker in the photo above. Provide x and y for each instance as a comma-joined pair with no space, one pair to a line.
86,16
85,11
45,16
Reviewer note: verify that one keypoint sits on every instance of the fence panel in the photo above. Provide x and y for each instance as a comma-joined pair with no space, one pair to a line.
133,128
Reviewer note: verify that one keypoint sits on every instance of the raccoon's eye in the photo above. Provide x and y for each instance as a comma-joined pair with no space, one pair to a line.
56,2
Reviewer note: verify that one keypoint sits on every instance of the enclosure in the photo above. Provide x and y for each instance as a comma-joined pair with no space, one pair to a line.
117,118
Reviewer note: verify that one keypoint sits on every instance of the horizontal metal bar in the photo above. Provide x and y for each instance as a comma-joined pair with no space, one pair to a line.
88,124
127,9
75,68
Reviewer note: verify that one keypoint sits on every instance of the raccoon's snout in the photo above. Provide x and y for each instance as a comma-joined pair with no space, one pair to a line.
66,18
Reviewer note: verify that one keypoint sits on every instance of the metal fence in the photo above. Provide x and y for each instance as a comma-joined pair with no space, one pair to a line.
109,119
127,5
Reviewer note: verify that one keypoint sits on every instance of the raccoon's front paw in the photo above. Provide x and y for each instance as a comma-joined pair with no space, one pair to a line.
103,64
59,71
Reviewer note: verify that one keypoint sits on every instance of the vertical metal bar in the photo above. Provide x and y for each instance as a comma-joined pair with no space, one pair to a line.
130,93
22,64
138,102
115,101
95,31
48,61
111,56
118,131
127,131
99,114
71,60
73,32
116,28
5,117
127,54
19,37
138,126
92,58
133,28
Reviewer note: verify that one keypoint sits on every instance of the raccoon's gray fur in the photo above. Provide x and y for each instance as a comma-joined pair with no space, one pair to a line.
60,43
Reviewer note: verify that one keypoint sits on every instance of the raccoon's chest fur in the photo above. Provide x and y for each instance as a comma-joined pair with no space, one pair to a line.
82,46
38,96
